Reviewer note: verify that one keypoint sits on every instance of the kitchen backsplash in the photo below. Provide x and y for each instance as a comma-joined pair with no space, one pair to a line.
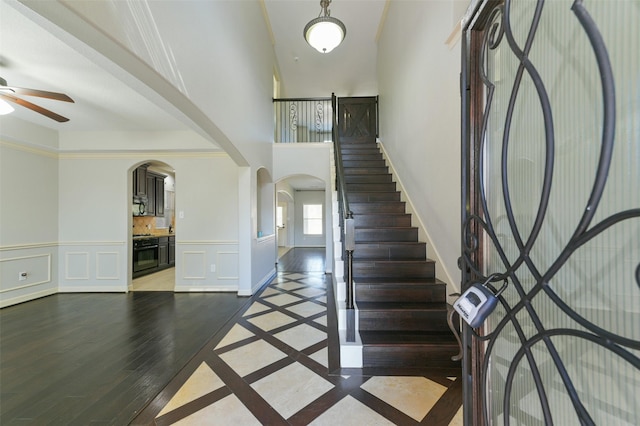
146,225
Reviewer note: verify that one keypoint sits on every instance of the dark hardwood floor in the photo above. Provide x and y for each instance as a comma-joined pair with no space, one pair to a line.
303,259
100,358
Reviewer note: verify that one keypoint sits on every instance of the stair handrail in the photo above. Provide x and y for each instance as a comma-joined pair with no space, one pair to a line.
347,226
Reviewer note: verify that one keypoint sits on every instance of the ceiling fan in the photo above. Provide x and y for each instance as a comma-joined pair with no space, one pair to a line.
11,94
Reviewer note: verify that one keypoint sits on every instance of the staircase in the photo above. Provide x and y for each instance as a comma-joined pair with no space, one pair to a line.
401,304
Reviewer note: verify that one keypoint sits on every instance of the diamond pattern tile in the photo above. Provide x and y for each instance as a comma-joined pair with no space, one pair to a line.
271,320
283,299
289,285
290,389
227,411
251,357
256,308
201,382
296,389
306,309
236,334
350,412
301,336
413,396
311,291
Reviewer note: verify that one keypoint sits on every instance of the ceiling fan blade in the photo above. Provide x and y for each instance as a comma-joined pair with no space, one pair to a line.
40,93
33,107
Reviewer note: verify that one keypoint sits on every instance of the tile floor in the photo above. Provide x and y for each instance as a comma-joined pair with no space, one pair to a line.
269,365
164,280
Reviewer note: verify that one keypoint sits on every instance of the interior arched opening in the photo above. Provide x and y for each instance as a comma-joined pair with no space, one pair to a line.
152,226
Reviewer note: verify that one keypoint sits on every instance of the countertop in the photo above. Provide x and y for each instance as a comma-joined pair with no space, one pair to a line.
154,235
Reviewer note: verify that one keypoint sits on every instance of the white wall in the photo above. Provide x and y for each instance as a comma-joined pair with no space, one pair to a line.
146,46
28,221
218,86
66,217
95,224
420,119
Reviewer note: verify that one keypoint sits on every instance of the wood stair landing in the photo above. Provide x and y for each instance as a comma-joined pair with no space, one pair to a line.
402,305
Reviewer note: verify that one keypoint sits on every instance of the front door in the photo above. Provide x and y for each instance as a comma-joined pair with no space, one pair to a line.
551,206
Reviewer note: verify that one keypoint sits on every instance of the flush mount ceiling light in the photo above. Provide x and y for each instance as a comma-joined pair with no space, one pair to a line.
324,33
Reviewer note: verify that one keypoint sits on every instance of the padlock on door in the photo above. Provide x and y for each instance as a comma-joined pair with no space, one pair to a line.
477,303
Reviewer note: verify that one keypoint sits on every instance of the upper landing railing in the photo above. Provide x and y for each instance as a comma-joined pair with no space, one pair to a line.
300,120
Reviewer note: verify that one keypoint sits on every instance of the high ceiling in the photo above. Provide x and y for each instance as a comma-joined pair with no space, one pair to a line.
30,56
35,54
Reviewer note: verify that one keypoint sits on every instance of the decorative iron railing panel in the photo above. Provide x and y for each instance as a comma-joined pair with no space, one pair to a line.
303,120
552,193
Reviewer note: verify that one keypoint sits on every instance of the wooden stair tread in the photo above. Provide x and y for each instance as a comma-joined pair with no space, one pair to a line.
388,243
399,260
402,306
399,281
370,337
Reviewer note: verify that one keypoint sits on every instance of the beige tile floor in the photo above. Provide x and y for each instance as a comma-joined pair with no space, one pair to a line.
164,280
275,358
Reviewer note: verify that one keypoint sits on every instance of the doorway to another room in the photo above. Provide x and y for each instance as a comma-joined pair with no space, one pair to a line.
153,228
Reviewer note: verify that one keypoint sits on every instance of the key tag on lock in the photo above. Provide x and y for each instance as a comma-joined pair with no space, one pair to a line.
477,303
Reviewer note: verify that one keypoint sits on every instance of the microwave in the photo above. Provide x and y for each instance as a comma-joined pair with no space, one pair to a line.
139,208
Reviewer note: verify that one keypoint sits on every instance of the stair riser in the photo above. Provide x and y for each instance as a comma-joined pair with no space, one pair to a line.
368,156
371,187
404,320
364,163
427,356
386,178
356,145
415,293
393,269
348,171
390,207
384,251
363,197
354,155
389,220
381,235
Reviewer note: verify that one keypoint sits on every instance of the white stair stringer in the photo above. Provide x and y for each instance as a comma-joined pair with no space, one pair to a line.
350,352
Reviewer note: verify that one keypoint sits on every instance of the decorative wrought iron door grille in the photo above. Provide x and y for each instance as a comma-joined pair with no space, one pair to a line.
551,203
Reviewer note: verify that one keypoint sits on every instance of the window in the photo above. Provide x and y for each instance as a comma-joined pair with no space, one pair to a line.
279,218
312,218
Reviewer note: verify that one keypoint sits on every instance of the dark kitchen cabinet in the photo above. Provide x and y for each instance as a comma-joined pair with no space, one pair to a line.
149,187
151,195
172,251
163,252
140,182
160,196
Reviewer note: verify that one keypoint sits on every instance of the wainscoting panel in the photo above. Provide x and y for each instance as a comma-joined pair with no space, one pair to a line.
227,265
107,265
207,266
96,266
76,265
193,265
37,262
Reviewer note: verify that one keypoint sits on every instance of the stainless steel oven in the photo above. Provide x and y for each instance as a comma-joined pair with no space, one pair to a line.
145,255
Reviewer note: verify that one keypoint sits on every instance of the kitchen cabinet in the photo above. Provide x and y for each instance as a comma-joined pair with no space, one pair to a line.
140,182
163,252
151,195
149,187
160,196
155,194
172,251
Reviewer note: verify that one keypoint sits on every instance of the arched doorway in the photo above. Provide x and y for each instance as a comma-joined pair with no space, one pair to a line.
305,207
153,230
